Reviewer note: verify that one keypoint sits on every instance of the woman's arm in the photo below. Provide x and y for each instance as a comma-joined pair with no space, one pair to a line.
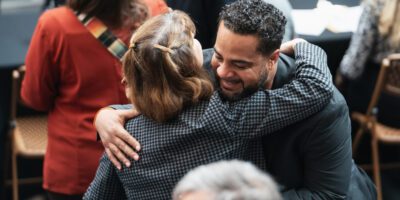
361,45
39,87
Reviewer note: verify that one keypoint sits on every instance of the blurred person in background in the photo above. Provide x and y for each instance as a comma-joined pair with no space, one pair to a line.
377,36
227,180
71,74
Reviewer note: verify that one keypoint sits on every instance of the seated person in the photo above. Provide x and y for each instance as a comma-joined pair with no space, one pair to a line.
227,180
191,121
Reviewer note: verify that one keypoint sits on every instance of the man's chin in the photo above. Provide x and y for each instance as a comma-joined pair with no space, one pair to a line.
229,96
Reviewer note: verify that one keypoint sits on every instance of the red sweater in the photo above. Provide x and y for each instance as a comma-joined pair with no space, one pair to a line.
71,75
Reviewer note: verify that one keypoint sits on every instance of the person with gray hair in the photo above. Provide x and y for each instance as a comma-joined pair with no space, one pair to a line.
227,180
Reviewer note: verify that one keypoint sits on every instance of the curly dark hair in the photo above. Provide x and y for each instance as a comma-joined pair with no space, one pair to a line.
247,17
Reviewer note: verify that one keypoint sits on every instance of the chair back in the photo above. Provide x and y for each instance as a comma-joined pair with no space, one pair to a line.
17,76
28,130
28,135
15,89
388,81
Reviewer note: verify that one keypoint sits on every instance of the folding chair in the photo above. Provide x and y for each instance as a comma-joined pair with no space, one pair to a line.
388,82
28,135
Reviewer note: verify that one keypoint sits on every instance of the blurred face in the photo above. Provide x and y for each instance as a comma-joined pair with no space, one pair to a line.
197,195
239,68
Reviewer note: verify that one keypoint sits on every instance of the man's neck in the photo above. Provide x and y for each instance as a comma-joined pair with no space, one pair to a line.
271,76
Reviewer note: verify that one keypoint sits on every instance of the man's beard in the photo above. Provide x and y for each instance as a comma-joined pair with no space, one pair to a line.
247,91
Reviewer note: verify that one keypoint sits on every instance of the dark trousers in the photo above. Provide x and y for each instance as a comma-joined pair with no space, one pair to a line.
58,196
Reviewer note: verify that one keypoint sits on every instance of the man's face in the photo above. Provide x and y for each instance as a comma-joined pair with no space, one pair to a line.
239,68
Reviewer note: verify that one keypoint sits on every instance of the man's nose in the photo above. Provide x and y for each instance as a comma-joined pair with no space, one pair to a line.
224,71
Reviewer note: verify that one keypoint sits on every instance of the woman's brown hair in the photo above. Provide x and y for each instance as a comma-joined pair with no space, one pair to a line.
161,69
112,12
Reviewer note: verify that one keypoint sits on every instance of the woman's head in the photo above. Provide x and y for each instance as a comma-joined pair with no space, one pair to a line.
115,13
163,67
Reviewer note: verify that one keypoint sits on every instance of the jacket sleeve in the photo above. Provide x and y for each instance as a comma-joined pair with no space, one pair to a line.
106,183
270,110
327,158
39,87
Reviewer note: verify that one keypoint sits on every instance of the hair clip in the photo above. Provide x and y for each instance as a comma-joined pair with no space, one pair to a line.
132,45
163,48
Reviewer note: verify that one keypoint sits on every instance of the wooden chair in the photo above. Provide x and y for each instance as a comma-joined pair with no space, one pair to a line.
28,135
388,82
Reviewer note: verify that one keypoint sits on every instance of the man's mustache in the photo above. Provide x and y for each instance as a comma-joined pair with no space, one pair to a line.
231,80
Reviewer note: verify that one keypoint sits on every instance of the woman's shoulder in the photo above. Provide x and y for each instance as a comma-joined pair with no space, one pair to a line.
56,13
57,18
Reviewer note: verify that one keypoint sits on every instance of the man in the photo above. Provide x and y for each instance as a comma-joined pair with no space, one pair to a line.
311,159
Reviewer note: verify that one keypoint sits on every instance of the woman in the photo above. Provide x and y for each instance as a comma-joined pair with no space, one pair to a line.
184,123
71,74
376,37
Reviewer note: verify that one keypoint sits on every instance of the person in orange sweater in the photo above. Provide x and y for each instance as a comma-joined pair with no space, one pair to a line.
73,70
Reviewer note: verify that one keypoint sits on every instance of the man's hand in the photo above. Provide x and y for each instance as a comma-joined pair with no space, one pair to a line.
288,47
118,143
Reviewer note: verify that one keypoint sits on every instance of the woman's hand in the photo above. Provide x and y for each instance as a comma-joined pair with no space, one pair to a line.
118,143
288,47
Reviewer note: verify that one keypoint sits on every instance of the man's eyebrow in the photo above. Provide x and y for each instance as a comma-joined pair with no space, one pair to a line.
215,50
235,61
243,62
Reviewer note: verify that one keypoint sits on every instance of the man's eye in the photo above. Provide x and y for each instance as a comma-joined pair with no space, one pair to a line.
239,66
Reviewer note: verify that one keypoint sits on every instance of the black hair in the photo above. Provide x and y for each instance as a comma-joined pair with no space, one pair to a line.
255,17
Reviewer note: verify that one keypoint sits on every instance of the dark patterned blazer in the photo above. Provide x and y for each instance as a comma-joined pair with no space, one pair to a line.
312,159
214,130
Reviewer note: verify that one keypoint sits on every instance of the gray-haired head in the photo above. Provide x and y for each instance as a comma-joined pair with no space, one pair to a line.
228,180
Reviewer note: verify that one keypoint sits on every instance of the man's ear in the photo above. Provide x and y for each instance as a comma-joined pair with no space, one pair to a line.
273,59
275,55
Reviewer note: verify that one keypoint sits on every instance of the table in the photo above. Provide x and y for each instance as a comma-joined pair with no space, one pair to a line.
309,4
334,44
